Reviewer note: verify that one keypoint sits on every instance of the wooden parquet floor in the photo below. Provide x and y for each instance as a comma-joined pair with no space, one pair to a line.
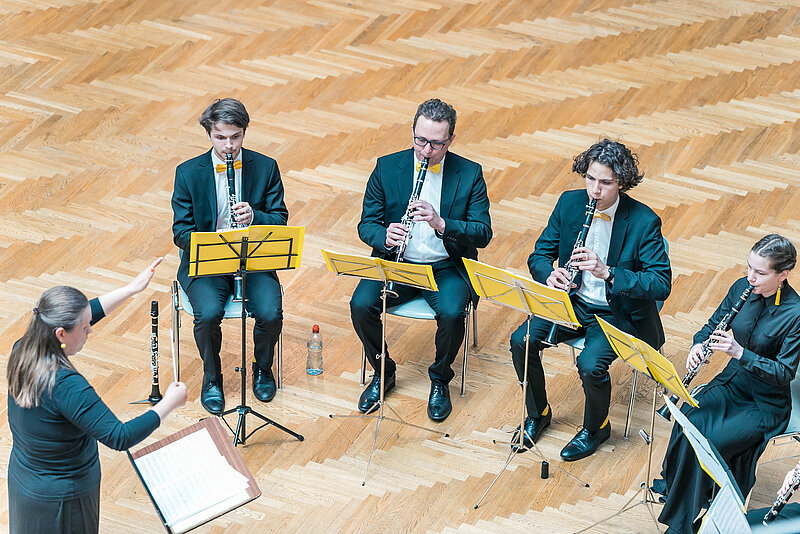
99,102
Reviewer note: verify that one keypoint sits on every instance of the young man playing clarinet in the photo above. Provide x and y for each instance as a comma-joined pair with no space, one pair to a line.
450,221
201,203
623,271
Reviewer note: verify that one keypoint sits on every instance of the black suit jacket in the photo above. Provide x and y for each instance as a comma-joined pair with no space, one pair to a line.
464,205
642,274
194,198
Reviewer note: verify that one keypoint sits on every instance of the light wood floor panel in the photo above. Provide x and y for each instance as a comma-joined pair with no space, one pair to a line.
99,102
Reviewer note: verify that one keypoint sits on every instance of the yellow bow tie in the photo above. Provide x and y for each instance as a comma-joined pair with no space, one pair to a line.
435,169
604,216
222,167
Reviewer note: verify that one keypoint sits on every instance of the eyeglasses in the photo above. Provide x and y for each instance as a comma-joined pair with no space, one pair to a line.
436,145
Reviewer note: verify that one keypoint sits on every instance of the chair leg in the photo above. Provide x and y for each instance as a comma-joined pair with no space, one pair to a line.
363,366
630,404
474,325
279,375
466,352
572,351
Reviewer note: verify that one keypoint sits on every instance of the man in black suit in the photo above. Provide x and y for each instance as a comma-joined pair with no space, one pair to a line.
451,221
624,270
200,204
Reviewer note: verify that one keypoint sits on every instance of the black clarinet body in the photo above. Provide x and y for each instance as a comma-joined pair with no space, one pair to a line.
783,498
574,272
408,217
231,174
155,394
706,349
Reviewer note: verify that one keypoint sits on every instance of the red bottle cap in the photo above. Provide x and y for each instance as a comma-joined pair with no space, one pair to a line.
315,329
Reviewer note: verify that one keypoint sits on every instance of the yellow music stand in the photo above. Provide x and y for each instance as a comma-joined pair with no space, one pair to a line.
652,363
409,274
251,249
535,300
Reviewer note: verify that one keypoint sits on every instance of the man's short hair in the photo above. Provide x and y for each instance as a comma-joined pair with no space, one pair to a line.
437,111
227,111
615,156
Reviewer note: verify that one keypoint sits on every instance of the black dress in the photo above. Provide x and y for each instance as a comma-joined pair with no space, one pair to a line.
54,467
744,406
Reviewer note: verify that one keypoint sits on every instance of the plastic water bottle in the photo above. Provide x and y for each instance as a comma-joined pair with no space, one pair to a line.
314,361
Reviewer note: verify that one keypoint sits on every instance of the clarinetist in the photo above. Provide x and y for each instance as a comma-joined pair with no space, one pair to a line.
202,202
749,402
624,270
451,221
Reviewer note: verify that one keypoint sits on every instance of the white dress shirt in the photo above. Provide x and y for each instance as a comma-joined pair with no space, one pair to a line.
593,289
424,246
223,206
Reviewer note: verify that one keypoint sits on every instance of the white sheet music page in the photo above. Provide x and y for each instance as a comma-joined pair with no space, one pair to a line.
725,515
191,481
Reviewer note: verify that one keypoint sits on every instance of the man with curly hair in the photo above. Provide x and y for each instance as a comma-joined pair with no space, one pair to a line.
624,270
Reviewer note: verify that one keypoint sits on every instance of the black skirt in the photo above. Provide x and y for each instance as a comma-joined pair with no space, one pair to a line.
27,515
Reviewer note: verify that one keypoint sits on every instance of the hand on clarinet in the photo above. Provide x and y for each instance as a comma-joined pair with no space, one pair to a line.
586,259
395,234
559,279
695,356
243,213
423,211
789,479
725,342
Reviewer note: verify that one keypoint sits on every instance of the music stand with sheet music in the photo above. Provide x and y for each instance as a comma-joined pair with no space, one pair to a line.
189,463
385,271
726,513
253,249
534,299
652,363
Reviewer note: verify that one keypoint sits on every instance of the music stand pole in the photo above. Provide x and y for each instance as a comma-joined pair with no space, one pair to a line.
649,499
519,446
381,402
240,435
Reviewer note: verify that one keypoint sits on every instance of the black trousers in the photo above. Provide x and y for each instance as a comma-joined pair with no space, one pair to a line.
208,295
593,362
449,304
27,515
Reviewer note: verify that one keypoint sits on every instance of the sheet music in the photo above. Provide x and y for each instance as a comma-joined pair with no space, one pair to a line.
725,515
189,476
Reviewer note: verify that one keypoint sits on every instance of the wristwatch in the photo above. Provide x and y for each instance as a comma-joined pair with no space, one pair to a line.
610,275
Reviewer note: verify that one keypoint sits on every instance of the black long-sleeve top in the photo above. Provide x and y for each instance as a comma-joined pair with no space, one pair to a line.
54,453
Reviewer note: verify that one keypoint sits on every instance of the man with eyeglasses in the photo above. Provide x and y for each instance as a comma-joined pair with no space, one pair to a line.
451,221
624,270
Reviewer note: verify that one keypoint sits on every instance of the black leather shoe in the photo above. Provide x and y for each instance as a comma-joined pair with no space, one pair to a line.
439,406
585,443
533,431
263,384
368,402
211,396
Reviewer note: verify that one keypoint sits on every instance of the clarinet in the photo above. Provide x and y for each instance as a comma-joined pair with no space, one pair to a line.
574,272
408,217
237,278
783,498
706,349
155,394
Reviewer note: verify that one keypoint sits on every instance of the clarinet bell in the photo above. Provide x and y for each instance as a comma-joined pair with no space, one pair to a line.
664,410
552,336
237,288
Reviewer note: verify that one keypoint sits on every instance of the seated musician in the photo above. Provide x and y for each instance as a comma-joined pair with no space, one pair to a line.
451,221
200,203
749,402
623,271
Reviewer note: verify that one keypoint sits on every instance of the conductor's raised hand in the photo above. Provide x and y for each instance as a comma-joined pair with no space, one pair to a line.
174,397
138,284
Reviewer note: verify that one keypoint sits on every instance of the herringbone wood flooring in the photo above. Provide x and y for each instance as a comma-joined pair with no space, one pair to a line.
98,104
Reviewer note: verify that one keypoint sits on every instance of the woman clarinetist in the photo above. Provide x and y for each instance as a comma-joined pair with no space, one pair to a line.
749,401
56,418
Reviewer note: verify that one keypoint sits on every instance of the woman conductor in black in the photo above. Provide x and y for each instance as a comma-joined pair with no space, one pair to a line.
56,418
749,401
